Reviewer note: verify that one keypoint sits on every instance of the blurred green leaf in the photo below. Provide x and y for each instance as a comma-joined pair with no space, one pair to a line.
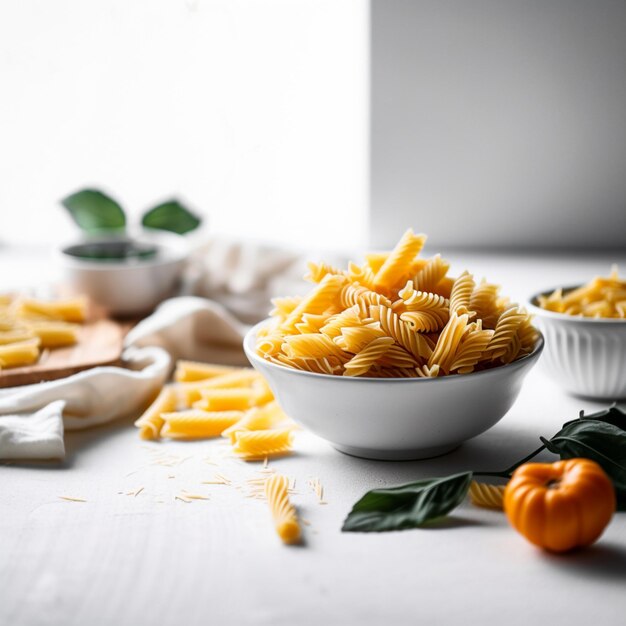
172,216
94,211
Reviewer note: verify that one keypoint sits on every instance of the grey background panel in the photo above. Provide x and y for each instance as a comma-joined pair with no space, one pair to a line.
499,122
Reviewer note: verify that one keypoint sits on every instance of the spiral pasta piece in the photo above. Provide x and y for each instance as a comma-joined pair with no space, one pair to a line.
284,306
360,364
426,371
336,323
313,345
426,321
270,343
411,341
471,350
416,300
461,295
484,302
505,333
308,364
312,323
527,335
355,338
282,510
319,271
486,495
448,343
398,358
362,274
394,269
361,297
322,296
431,274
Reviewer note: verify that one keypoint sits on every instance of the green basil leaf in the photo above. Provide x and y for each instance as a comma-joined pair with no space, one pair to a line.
172,216
94,211
600,441
407,506
613,415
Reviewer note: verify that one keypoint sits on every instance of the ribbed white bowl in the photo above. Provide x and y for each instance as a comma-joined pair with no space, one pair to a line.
394,418
586,356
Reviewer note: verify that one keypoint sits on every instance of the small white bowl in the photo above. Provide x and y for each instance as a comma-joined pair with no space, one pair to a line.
127,287
394,418
585,355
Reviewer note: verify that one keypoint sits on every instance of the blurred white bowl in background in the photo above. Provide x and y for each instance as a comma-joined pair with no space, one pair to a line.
394,418
585,355
126,287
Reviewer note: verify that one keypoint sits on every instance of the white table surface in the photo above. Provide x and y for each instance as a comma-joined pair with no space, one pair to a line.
150,559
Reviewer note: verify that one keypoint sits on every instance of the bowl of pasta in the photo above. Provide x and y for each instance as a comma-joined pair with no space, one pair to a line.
393,358
585,334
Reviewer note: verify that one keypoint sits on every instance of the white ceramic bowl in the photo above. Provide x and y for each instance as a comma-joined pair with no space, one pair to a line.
586,356
132,286
397,418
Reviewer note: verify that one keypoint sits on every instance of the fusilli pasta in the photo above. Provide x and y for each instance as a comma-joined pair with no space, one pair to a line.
398,315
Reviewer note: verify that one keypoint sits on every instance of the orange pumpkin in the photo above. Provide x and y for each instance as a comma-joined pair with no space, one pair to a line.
562,505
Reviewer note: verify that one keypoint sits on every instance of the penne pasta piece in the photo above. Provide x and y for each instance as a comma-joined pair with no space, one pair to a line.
197,424
151,422
19,353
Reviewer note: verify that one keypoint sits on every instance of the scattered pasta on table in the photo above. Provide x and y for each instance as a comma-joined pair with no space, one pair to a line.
209,401
486,496
29,326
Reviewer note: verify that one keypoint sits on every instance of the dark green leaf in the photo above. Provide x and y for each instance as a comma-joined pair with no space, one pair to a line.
407,506
172,216
613,415
600,441
94,211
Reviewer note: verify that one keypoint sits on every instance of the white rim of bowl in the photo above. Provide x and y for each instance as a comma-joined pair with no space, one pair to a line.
175,244
580,319
252,355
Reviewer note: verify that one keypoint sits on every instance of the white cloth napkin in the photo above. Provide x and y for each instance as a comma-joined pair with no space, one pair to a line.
242,277
33,417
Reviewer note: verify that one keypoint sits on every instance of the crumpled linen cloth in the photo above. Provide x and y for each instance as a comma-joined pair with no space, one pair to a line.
33,417
232,283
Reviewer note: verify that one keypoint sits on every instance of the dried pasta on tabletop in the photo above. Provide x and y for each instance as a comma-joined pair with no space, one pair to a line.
209,401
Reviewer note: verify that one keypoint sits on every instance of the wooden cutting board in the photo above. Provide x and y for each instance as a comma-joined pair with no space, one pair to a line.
99,343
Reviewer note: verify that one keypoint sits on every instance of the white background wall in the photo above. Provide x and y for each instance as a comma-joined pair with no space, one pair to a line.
252,110
494,121
499,122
